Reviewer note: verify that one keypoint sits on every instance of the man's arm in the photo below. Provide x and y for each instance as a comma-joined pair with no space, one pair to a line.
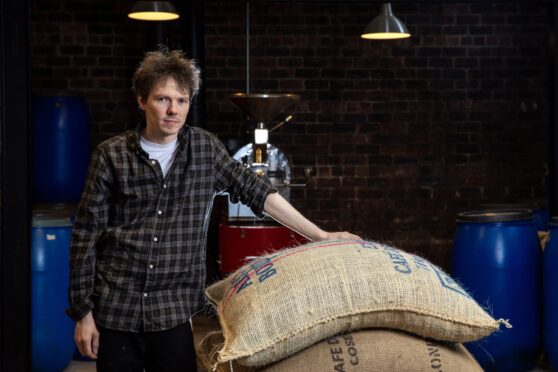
283,212
86,336
91,220
258,193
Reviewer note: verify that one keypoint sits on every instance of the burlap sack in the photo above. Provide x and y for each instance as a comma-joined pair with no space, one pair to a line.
379,350
366,350
207,355
208,339
286,301
206,352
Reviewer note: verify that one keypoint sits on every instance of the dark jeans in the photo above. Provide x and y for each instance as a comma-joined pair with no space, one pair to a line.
163,351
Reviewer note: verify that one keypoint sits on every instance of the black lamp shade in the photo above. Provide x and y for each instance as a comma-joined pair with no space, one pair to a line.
385,26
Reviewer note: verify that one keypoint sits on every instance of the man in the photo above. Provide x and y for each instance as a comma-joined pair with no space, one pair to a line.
138,244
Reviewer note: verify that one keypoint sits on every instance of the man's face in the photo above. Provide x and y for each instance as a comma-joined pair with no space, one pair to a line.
166,109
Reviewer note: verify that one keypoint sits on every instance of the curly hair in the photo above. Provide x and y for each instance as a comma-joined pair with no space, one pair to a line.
158,66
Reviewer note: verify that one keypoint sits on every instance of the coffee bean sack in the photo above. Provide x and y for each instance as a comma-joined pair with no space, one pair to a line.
379,350
288,300
364,350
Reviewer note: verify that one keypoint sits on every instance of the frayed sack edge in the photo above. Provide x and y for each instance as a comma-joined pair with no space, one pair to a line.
495,327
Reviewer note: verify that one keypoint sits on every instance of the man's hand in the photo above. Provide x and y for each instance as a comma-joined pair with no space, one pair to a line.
87,336
343,235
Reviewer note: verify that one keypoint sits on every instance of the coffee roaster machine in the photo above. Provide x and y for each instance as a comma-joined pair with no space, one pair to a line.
243,235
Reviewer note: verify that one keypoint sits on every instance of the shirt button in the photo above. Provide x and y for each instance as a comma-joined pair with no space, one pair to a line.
145,294
155,239
159,212
164,186
150,266
153,162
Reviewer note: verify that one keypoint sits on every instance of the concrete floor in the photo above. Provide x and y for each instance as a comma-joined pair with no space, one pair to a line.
79,366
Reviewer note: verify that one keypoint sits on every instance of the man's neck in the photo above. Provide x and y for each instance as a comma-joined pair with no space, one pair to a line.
163,140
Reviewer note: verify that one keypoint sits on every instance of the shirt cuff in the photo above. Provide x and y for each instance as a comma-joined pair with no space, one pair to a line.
80,310
258,207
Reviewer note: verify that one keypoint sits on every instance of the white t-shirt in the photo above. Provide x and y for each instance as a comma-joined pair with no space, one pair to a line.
164,154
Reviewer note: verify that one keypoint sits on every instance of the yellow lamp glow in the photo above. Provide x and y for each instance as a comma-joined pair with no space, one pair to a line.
385,36
153,11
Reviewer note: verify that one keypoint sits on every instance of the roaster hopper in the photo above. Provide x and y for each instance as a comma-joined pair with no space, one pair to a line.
260,156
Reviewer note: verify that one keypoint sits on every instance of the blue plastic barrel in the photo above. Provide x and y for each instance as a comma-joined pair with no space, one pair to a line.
539,207
551,295
61,148
52,331
497,257
541,212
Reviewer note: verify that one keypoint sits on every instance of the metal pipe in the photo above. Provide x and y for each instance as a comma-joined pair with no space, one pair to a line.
287,119
192,26
247,47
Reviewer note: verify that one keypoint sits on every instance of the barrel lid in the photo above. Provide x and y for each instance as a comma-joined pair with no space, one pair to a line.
251,224
62,209
495,215
52,218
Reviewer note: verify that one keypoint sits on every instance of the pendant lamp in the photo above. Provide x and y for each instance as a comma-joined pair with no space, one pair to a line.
153,11
385,26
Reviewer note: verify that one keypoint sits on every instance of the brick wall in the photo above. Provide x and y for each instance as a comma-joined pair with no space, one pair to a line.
90,47
400,135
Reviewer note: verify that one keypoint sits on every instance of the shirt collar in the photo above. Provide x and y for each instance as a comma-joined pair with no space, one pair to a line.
133,138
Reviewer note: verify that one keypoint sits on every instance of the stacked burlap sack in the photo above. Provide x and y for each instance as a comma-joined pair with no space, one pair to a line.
344,306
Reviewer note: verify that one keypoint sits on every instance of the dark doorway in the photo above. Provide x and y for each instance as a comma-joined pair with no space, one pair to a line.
15,188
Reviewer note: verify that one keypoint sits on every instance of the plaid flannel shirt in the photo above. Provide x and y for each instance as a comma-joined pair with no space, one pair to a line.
138,243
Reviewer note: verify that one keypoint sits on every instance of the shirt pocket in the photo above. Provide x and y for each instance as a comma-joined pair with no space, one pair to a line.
136,200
